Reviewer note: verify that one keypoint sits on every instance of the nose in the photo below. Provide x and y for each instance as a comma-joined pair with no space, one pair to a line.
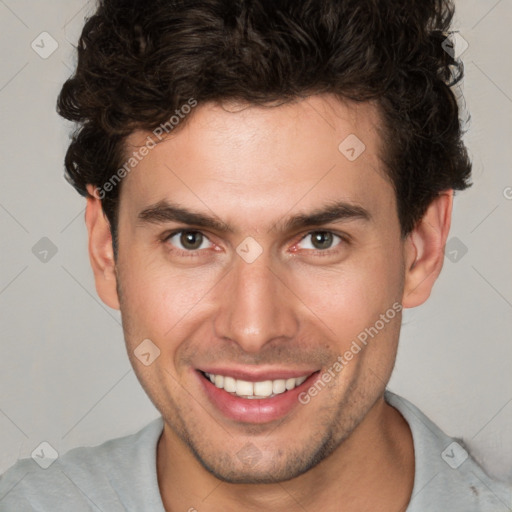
256,305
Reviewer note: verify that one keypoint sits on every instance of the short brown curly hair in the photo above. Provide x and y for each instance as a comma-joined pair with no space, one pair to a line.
140,60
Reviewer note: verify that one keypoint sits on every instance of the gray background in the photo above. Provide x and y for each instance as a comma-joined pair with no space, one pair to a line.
65,377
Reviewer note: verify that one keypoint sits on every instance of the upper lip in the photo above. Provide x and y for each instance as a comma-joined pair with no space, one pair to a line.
252,374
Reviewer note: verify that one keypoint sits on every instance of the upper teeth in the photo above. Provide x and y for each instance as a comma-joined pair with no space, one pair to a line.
263,388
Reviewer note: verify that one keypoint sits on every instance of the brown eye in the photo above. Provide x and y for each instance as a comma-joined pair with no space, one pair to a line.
191,239
320,240
188,240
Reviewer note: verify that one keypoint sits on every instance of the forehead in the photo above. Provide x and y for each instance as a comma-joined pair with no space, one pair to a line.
254,159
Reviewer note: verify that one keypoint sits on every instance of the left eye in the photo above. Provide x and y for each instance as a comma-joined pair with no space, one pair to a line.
189,240
320,240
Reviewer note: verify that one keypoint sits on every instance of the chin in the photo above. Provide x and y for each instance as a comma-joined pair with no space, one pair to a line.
250,466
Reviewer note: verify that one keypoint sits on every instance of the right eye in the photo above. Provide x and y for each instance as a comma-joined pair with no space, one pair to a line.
190,241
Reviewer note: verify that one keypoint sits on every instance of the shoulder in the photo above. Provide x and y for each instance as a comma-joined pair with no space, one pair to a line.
446,475
85,478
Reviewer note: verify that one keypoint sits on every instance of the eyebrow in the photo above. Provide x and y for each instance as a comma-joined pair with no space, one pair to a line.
337,211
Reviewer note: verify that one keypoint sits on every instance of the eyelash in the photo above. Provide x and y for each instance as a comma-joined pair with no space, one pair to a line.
195,253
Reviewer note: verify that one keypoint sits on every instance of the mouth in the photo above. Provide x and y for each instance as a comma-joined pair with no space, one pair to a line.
255,398
255,390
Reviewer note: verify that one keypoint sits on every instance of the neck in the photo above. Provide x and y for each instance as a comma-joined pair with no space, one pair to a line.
373,469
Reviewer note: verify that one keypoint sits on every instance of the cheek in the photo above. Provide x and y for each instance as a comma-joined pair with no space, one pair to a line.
157,296
352,297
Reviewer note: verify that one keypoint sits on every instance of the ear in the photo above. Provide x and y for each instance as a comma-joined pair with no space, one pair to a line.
424,250
101,252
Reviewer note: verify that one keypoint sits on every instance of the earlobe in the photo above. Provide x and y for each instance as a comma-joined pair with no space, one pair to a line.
424,250
101,254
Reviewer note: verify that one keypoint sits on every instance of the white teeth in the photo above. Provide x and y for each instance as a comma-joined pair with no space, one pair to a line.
229,384
290,384
262,389
278,386
300,380
243,388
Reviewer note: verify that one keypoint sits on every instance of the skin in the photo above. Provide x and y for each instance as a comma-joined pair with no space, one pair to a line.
295,306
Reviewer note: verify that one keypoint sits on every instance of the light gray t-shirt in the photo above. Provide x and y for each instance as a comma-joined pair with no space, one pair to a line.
120,475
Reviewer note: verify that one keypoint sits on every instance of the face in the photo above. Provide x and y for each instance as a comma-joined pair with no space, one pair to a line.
295,251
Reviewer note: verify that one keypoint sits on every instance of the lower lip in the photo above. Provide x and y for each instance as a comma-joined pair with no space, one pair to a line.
255,410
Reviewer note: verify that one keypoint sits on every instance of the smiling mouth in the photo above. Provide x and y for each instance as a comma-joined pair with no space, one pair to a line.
254,390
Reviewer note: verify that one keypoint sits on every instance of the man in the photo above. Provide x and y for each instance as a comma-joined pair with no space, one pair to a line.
268,185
